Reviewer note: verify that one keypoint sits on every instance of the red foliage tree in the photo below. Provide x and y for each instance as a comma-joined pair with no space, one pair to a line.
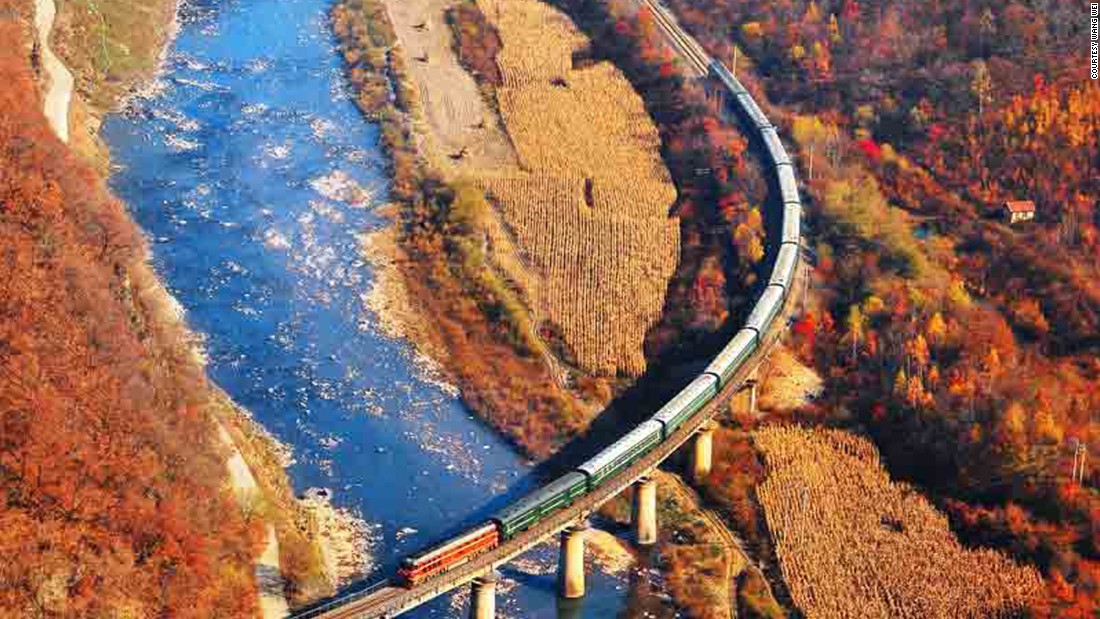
114,495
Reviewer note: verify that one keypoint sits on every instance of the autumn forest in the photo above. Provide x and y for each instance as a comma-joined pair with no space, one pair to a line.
966,347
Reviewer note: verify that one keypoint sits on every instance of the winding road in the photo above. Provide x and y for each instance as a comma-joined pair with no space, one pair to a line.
59,90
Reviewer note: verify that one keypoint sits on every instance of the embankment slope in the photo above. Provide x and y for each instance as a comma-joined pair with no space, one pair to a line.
105,407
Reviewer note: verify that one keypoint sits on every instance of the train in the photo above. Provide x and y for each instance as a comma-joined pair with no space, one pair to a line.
640,441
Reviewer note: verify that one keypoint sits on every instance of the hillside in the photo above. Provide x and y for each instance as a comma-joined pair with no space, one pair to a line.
964,345
117,499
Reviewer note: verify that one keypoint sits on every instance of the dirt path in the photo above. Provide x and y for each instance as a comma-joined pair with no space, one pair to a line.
269,576
729,540
59,90
453,107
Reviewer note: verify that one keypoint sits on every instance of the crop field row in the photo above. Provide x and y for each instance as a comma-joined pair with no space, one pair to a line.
595,126
586,210
852,543
538,40
598,278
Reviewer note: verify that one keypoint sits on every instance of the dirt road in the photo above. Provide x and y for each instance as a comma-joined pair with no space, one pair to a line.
453,106
269,577
59,91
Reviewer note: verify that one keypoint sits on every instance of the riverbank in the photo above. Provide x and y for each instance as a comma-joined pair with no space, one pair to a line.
112,48
462,313
298,536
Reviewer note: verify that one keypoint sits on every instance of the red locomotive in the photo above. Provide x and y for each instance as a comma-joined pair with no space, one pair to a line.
445,556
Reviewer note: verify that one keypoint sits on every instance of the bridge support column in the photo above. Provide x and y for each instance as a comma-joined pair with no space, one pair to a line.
483,600
645,511
752,397
571,562
702,453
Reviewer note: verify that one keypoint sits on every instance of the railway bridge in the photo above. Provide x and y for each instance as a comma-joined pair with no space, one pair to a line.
388,599
693,425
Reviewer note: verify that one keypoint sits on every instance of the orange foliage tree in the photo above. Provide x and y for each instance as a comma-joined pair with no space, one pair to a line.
114,497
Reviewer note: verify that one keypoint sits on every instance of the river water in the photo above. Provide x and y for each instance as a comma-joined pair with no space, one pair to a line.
228,165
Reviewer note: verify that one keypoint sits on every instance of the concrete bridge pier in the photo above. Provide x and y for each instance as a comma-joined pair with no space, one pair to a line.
751,386
483,596
571,562
645,511
570,609
702,452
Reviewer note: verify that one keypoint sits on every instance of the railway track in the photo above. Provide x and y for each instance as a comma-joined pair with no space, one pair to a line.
684,44
385,600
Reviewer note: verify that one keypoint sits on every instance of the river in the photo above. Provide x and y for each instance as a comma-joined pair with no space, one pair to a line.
225,164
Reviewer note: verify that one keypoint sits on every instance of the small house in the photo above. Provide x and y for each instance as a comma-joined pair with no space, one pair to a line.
1019,210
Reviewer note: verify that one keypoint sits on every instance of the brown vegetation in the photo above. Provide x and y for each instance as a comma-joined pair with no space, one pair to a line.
588,207
477,42
851,543
599,279
115,498
731,484
116,501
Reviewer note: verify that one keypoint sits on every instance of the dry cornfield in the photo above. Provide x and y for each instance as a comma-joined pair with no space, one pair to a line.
538,40
584,228
600,279
851,543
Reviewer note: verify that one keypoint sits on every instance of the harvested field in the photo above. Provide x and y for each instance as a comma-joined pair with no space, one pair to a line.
852,543
584,227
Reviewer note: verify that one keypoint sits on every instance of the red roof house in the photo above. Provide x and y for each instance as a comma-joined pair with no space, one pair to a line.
1019,210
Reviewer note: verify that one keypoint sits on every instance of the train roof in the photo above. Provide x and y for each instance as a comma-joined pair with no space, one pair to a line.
538,496
753,110
788,186
437,548
605,457
775,146
792,223
785,260
765,306
701,384
725,75
731,351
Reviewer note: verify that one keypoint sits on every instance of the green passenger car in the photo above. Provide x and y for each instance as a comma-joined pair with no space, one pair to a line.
532,508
